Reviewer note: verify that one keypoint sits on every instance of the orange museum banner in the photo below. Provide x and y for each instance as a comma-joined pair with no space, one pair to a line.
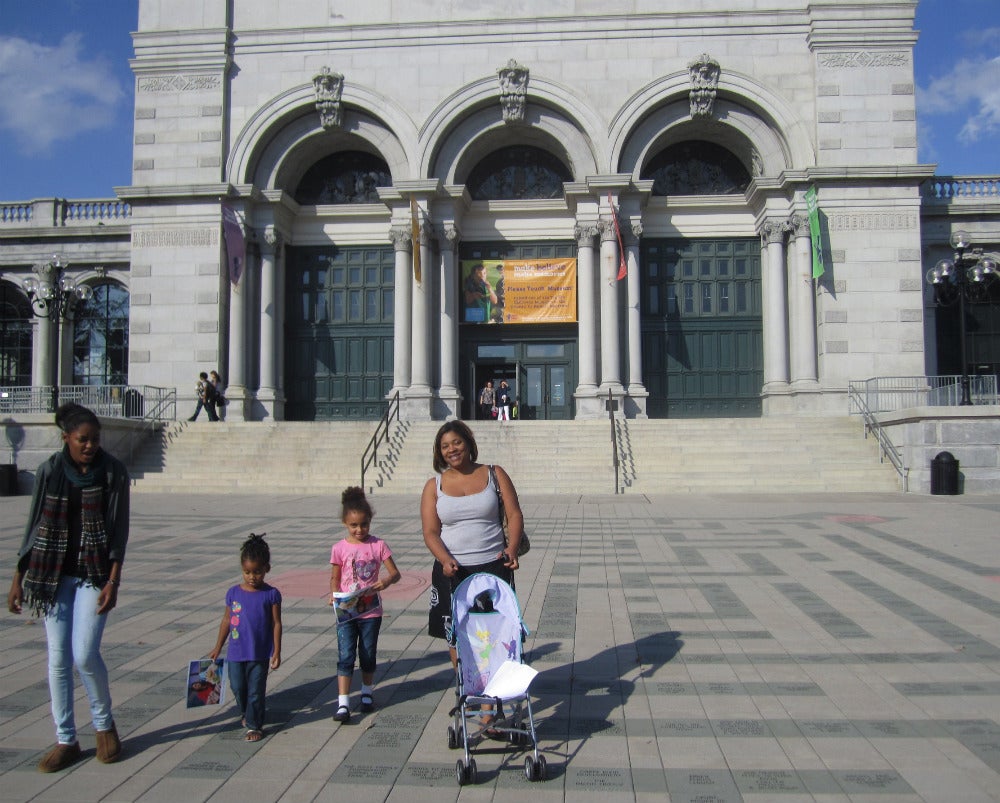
519,291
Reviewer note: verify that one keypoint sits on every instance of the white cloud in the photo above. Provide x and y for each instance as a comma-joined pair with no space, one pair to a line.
970,89
49,94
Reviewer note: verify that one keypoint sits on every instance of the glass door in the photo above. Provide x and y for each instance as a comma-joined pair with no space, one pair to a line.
544,394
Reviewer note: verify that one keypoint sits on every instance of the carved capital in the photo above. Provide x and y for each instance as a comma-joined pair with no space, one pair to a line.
273,240
401,238
584,235
637,230
513,91
704,73
606,228
450,236
773,231
329,90
799,225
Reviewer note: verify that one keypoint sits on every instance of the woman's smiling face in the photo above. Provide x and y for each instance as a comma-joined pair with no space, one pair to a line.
454,450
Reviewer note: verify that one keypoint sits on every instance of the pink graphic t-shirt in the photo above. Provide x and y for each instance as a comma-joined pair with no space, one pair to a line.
360,565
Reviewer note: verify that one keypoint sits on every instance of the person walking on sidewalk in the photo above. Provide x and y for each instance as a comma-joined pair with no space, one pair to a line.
68,570
356,562
251,621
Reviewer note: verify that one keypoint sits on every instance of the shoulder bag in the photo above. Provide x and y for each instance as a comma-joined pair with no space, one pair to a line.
525,545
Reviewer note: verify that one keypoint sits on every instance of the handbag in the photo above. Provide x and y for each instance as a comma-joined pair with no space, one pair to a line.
525,546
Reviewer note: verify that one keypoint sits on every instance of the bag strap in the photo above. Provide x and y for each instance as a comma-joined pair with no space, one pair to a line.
496,487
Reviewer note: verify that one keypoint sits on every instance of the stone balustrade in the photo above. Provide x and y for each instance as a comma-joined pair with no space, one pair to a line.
59,212
947,188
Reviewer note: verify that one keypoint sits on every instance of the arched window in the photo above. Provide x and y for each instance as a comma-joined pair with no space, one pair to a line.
518,173
696,168
100,337
348,177
15,337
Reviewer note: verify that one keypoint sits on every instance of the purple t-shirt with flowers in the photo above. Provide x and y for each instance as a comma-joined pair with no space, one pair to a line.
251,623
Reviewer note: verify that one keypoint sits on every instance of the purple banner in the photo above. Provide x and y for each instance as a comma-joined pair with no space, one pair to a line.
235,245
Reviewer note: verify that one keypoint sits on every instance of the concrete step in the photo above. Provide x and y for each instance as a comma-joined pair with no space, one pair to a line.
656,456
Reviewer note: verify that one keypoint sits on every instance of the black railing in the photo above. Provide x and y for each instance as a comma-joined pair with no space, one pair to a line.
370,457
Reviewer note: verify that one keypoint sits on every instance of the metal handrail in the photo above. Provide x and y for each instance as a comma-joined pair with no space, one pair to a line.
381,434
614,440
138,402
886,394
887,448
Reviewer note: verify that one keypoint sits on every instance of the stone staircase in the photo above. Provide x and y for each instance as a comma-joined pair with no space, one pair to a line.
738,455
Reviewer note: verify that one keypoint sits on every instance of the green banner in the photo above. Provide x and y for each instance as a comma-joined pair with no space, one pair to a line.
814,233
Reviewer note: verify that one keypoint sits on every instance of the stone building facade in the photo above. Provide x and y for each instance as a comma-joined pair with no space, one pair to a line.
369,157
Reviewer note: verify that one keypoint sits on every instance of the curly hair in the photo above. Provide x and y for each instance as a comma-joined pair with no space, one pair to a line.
461,429
71,416
256,548
353,500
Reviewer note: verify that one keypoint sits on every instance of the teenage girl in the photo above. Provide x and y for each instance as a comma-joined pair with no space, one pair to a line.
252,623
356,562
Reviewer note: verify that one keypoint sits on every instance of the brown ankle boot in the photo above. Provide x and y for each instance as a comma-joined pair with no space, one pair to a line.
109,746
60,757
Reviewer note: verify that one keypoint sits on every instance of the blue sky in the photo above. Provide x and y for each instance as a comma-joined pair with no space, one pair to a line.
66,93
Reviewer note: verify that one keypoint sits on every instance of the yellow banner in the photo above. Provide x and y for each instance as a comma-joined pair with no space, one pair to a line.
519,291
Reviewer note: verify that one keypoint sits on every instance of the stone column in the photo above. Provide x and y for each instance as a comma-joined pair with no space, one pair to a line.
586,312
801,307
611,375
636,389
586,389
236,376
449,393
401,310
41,351
774,309
420,341
271,253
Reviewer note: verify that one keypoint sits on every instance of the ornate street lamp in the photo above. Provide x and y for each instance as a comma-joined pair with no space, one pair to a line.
54,296
963,278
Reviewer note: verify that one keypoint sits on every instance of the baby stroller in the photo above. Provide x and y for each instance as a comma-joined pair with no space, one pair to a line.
487,632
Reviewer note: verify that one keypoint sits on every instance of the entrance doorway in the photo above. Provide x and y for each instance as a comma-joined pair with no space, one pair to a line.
540,370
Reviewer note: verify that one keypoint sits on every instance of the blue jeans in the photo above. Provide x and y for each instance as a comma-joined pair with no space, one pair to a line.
357,638
73,631
248,683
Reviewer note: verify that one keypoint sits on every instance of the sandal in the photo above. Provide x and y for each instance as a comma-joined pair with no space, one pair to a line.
343,714
367,703
254,735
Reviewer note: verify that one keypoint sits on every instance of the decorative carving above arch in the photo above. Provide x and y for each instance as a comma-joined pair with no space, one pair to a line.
704,72
329,90
513,91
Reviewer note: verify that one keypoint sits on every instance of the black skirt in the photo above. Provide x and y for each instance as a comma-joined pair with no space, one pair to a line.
439,620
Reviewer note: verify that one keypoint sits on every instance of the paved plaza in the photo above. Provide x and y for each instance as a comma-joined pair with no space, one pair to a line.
689,648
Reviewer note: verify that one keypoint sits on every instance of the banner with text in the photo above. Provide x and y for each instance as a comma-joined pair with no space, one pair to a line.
518,291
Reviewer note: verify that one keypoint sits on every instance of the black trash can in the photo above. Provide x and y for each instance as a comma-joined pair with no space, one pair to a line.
133,404
944,474
8,479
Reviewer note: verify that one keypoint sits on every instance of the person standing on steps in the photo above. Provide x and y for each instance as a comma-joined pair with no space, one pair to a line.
503,401
487,399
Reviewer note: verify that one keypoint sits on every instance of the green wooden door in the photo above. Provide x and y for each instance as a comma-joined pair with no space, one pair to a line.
338,332
702,328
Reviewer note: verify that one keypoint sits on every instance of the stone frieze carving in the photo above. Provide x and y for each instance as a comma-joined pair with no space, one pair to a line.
704,74
863,59
175,238
513,91
872,221
329,87
179,83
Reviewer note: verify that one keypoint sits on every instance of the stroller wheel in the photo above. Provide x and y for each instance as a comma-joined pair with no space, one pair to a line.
452,738
460,772
473,772
529,768
541,768
466,774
